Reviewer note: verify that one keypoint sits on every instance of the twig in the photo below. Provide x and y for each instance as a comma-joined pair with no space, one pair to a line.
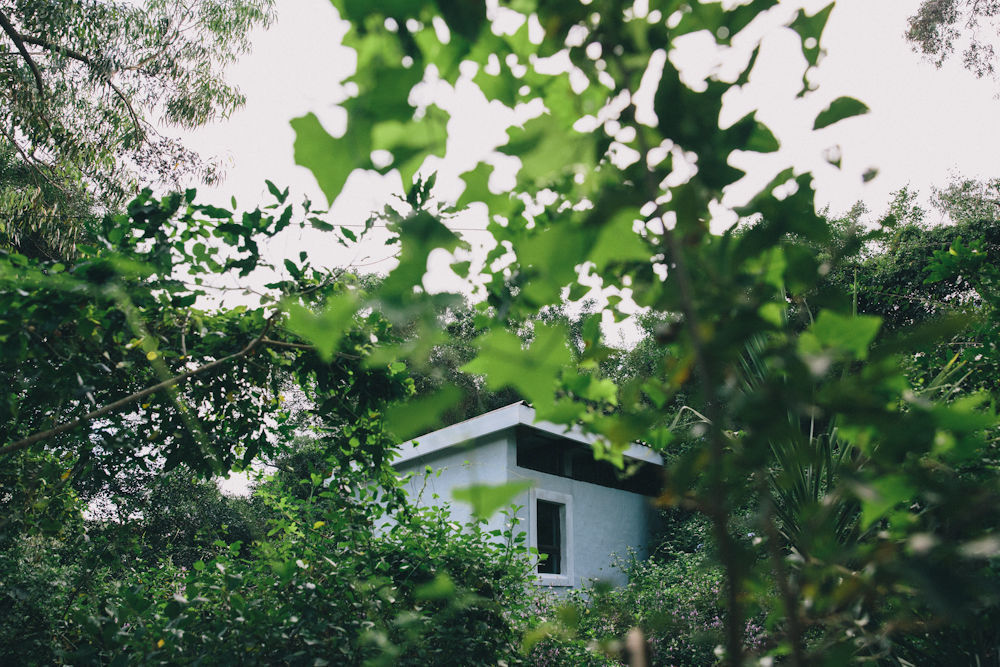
788,596
281,343
139,395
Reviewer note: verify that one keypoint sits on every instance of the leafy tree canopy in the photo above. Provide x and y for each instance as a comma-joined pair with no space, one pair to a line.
86,85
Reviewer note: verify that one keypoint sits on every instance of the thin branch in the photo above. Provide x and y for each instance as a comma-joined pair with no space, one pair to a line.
788,596
49,46
33,163
19,40
133,398
304,346
281,343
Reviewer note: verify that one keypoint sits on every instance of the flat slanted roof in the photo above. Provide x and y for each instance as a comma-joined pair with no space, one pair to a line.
510,416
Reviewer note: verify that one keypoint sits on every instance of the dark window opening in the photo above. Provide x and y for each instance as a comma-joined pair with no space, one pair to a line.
566,458
548,536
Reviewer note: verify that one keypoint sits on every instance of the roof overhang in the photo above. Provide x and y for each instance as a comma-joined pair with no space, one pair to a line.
508,417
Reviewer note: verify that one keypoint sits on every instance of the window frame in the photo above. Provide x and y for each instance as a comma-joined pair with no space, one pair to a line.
566,577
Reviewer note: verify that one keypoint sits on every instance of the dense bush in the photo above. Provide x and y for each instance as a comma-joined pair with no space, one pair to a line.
332,583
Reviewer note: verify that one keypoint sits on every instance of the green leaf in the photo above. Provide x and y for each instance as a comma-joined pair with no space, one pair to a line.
440,588
810,30
330,160
844,333
419,234
486,499
617,243
839,109
411,142
321,225
504,361
325,329
281,196
547,148
762,140
477,190
414,417
881,495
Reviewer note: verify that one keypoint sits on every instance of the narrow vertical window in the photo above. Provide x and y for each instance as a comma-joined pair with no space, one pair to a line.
548,536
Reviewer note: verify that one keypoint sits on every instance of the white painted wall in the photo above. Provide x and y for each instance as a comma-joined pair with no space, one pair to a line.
480,461
601,521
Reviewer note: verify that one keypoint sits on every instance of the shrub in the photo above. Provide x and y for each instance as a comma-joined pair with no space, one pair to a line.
675,602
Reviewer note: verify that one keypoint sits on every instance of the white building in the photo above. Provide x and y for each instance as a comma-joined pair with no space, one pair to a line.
578,511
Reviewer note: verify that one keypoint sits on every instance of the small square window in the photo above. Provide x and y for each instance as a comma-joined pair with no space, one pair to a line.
548,536
551,535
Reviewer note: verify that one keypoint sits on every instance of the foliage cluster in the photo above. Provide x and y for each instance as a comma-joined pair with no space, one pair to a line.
797,396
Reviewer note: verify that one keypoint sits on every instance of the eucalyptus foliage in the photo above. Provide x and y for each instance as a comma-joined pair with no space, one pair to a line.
939,26
88,86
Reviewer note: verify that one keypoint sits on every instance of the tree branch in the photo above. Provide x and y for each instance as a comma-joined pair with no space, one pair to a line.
281,343
32,162
93,64
139,395
18,40
304,346
717,509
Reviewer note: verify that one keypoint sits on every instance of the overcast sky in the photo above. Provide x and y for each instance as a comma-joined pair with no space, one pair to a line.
924,125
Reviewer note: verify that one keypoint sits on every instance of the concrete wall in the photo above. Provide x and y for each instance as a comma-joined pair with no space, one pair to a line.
598,522
483,461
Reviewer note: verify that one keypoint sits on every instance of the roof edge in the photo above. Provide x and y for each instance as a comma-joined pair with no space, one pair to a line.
509,416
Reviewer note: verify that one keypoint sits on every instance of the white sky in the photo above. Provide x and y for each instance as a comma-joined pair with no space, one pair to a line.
924,124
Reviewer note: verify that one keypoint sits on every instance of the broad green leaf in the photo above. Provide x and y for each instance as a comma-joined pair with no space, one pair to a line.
486,499
839,109
762,140
415,416
881,495
547,148
477,190
617,243
419,234
842,333
551,256
330,160
411,142
504,361
810,30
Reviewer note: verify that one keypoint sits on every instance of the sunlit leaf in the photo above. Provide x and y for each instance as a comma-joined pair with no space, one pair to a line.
486,499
